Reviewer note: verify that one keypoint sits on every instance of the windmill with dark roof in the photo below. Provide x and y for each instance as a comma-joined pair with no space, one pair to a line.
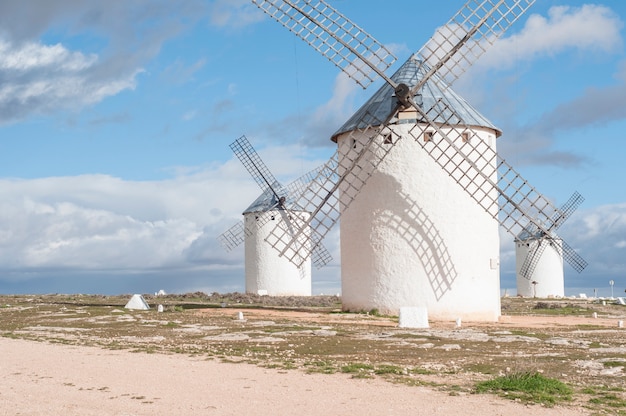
416,177
266,272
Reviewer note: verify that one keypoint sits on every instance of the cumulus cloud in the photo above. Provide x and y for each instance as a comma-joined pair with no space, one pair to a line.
42,76
331,115
315,130
598,235
593,28
102,222
590,30
99,223
38,78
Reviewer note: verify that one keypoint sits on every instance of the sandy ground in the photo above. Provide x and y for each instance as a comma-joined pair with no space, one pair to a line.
45,379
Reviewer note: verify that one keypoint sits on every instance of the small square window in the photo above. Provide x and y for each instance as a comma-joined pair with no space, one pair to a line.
465,136
428,135
388,139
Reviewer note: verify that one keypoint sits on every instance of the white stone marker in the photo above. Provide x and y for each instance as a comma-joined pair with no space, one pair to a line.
413,317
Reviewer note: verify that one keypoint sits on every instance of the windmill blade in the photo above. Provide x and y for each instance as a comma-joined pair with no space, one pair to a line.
476,167
534,255
572,257
255,166
333,35
451,50
299,186
480,20
348,173
567,209
320,256
472,167
297,246
456,45
292,222
532,259
233,237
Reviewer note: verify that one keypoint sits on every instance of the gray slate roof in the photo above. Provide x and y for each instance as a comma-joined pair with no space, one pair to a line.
435,94
267,200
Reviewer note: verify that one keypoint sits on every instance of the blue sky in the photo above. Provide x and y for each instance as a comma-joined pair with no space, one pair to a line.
115,120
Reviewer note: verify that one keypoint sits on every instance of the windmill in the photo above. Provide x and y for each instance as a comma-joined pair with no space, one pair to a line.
416,177
266,272
539,256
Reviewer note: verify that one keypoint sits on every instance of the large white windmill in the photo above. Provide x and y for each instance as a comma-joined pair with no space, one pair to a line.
416,177
265,271
539,256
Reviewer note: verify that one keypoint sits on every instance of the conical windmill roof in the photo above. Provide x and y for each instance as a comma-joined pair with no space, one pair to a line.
452,108
530,232
267,200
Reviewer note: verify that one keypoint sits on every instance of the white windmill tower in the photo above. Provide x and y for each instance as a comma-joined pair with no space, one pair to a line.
266,272
416,178
539,256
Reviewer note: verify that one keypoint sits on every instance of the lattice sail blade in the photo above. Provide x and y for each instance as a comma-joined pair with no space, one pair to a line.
320,256
567,209
272,192
320,191
476,167
535,252
572,257
347,174
295,227
534,255
255,166
456,45
333,35
299,186
233,237
539,246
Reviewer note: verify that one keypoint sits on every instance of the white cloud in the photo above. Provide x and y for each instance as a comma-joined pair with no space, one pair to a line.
30,56
588,28
234,13
326,118
102,223
96,222
41,78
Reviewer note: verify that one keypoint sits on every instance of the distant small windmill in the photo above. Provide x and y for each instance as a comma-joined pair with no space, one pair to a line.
539,272
416,177
266,272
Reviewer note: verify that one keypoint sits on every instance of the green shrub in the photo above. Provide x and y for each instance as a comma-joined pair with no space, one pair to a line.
528,387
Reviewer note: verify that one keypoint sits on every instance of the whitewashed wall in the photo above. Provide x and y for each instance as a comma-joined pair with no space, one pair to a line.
414,237
265,270
548,273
